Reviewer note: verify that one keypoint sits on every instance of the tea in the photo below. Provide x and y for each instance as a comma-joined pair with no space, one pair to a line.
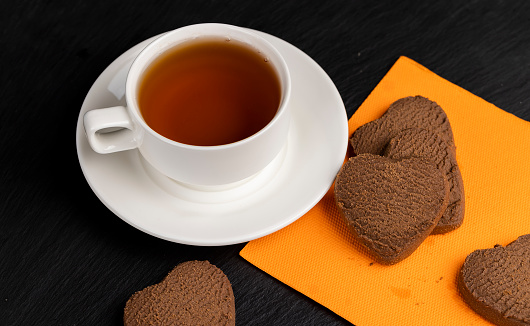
209,92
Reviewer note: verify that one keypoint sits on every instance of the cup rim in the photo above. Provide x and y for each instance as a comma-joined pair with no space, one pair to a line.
138,67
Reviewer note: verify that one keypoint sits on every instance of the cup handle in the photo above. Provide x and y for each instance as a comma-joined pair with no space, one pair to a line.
109,130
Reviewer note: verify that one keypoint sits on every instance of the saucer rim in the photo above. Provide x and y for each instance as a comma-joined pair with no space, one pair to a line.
317,196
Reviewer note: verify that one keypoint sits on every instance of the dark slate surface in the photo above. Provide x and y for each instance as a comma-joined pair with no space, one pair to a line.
65,259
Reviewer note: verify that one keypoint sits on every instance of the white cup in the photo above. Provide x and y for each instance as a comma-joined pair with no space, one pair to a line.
123,128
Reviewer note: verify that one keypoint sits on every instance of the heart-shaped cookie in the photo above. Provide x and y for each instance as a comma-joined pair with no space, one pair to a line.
193,293
389,205
405,113
495,282
416,142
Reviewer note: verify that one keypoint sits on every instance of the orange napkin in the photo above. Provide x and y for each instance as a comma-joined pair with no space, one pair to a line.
317,256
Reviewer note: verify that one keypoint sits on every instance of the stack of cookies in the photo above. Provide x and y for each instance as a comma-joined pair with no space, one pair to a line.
403,182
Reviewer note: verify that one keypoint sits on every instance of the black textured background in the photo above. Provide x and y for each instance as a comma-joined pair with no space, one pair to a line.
65,259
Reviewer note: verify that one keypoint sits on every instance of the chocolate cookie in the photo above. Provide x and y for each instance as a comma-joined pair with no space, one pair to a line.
416,142
405,113
193,293
496,282
389,205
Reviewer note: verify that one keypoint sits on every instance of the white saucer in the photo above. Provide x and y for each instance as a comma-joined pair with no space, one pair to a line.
298,178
